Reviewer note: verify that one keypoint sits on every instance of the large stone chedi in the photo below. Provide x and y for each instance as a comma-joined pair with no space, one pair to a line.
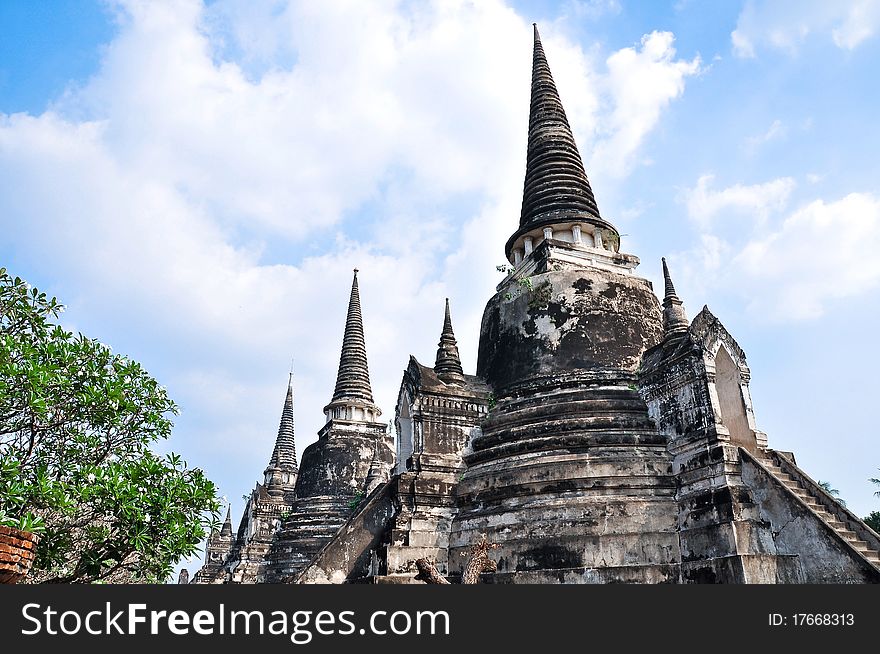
605,437
623,447
569,477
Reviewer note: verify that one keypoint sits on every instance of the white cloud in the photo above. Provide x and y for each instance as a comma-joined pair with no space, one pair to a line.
370,90
699,270
742,45
775,131
860,24
786,24
641,82
203,198
756,201
821,252
785,264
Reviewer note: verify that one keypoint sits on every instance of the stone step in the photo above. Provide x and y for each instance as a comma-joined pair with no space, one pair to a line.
401,558
312,526
842,528
317,515
304,536
401,579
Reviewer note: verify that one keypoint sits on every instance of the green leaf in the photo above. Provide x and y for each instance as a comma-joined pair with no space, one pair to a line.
78,422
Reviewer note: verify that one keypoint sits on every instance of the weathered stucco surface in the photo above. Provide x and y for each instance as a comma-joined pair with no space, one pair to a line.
571,320
569,472
822,554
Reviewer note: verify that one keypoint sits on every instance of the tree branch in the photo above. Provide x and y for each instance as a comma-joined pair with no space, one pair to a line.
428,572
478,563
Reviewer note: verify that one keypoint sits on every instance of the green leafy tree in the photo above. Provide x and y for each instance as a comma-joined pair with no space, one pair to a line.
873,518
833,492
77,423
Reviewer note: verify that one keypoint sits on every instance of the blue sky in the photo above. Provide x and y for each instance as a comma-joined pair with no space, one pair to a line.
196,183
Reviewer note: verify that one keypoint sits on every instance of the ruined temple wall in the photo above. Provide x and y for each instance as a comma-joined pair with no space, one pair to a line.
312,522
444,418
354,552
722,536
263,518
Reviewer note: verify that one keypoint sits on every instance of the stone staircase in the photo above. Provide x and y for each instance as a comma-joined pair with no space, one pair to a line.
311,524
835,516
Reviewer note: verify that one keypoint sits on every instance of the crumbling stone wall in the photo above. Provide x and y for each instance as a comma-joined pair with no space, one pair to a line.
721,535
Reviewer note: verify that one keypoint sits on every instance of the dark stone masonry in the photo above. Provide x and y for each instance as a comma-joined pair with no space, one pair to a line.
604,439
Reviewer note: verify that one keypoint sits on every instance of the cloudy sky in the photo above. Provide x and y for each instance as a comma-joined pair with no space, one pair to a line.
197,180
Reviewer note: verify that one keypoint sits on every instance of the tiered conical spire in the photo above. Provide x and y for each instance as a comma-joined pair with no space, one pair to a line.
556,187
227,524
353,378
674,318
284,454
280,474
448,362
668,288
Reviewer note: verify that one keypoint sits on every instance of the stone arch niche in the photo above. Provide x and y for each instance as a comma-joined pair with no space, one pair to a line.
729,388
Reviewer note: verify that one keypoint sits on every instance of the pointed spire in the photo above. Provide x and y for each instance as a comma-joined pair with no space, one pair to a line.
448,363
284,453
227,525
674,318
667,280
353,378
556,187
280,474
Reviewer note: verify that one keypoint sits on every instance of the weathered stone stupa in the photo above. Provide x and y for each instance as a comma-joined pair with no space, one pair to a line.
352,446
604,439
569,476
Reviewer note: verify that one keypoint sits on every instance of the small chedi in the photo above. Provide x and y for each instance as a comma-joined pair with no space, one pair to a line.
605,438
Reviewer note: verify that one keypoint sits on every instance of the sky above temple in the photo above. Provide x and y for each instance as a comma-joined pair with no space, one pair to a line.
197,181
